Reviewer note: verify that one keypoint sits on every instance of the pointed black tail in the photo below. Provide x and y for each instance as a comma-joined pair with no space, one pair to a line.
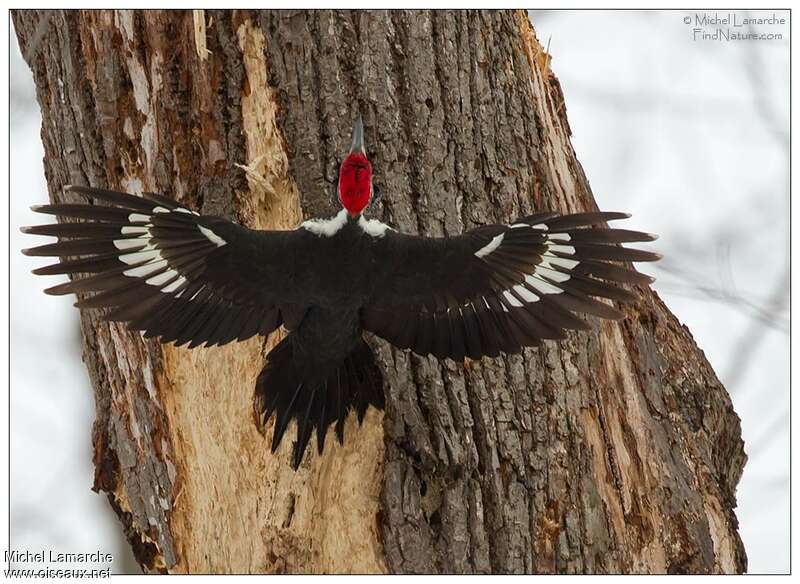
292,389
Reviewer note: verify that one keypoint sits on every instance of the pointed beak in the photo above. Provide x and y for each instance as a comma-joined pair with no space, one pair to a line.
358,137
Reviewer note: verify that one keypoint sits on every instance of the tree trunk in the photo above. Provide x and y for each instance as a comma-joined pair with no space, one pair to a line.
616,450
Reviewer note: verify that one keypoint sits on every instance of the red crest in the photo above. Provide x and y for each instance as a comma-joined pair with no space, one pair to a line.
355,183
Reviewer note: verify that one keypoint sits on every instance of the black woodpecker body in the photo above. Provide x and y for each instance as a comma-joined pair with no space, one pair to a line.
201,280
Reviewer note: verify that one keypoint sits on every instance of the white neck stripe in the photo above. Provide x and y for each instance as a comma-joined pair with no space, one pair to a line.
373,227
326,227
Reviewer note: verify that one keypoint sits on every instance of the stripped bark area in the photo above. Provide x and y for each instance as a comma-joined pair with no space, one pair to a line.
616,450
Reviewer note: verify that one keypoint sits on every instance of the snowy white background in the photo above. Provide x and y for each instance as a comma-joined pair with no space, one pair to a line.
692,137
52,405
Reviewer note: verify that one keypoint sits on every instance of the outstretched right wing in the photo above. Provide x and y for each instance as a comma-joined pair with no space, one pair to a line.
499,288
168,271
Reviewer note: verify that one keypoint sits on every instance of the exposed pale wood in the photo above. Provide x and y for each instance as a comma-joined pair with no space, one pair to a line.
616,450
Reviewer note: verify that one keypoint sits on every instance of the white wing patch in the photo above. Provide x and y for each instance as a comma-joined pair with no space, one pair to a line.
161,278
512,300
526,294
541,286
142,253
213,237
548,261
174,286
123,244
565,249
147,269
147,253
552,273
490,247
373,227
127,230
326,227
535,285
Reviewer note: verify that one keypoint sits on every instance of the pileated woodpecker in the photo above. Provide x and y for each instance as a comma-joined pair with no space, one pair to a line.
193,279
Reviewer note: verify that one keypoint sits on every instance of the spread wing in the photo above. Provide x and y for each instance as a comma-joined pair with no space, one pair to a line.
166,270
502,287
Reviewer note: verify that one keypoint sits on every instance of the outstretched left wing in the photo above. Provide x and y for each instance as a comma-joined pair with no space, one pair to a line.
501,287
168,271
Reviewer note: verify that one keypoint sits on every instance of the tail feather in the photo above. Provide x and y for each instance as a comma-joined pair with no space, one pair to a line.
341,407
292,390
321,417
305,426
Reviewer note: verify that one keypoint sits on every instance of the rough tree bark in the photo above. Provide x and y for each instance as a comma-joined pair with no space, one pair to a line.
616,450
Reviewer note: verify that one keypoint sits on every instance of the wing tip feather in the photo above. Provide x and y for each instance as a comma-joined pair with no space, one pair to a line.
649,279
654,257
59,290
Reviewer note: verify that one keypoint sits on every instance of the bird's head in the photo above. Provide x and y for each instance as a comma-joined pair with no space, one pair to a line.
355,175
